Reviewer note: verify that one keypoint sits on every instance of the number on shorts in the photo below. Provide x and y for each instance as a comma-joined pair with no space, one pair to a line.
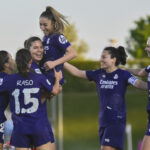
2,127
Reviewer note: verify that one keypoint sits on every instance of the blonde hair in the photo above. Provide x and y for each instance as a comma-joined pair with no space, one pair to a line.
58,19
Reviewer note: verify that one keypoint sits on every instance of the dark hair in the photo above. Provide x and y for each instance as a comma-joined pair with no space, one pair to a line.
4,58
56,17
29,41
23,57
119,53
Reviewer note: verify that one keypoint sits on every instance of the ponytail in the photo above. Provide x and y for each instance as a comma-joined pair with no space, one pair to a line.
56,17
122,56
23,57
118,53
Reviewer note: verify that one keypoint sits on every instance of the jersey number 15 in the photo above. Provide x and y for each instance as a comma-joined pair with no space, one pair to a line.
27,99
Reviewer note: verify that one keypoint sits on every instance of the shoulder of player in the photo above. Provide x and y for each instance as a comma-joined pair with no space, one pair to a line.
3,74
122,71
124,74
95,71
60,38
37,76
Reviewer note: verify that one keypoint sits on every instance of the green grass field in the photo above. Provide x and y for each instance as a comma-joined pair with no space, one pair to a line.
81,118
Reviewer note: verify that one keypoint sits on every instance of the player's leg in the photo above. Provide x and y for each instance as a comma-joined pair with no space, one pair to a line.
146,143
52,146
42,140
108,148
47,146
1,141
1,146
17,148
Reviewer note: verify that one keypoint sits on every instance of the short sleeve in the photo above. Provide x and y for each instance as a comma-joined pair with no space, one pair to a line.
46,84
91,75
62,42
131,79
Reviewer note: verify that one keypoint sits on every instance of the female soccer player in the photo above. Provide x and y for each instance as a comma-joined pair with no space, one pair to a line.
6,67
28,113
35,46
111,82
145,73
57,49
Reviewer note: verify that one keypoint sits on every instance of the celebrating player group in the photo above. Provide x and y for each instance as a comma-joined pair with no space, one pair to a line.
39,76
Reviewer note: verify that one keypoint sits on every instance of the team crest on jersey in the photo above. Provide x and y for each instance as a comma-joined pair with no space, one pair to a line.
62,39
104,76
48,40
1,81
38,71
46,48
116,76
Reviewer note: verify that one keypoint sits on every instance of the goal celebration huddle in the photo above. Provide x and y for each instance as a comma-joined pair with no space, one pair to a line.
39,76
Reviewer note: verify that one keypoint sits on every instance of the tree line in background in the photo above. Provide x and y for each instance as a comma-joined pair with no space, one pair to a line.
136,44
136,41
78,44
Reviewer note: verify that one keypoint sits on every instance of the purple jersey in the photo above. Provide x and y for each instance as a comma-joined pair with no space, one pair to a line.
54,48
28,113
4,99
147,69
36,68
111,89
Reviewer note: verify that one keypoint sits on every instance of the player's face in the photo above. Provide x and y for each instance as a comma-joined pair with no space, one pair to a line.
46,25
11,63
148,47
37,51
106,61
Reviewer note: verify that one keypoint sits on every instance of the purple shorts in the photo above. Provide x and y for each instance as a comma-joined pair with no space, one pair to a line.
2,133
28,140
113,135
52,140
1,138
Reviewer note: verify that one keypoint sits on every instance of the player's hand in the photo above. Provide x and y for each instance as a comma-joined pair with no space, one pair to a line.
49,65
58,75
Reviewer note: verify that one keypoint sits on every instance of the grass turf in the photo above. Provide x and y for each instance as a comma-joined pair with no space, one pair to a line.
80,113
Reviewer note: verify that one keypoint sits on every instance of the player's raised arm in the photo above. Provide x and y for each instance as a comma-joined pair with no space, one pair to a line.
70,54
75,71
138,72
141,85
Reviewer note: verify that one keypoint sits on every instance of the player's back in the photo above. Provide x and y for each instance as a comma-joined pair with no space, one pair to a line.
25,102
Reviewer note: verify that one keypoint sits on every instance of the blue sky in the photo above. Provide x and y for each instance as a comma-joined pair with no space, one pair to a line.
96,20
